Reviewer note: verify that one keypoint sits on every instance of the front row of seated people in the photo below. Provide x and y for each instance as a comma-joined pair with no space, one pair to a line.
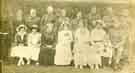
82,47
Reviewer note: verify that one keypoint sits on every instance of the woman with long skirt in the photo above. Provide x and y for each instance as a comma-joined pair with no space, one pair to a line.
63,54
47,45
81,46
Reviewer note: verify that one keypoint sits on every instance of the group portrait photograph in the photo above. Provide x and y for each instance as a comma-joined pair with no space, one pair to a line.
67,36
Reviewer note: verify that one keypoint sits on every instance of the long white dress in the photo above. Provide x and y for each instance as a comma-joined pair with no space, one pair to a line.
63,54
34,40
81,46
97,37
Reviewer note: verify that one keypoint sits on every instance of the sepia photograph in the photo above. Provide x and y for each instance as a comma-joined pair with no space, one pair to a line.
67,36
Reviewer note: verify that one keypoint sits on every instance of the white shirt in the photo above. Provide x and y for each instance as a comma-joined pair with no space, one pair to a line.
98,34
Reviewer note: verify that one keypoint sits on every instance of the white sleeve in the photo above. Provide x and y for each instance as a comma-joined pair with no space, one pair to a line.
29,39
60,36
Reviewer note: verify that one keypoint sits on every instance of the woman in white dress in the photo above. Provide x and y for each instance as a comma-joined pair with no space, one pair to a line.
63,54
98,37
34,42
20,50
81,46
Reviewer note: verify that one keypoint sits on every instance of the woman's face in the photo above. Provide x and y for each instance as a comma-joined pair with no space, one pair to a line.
98,26
81,24
65,27
22,30
34,30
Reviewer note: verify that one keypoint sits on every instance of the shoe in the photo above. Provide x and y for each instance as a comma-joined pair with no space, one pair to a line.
91,67
37,64
96,67
81,67
18,64
23,63
28,62
76,66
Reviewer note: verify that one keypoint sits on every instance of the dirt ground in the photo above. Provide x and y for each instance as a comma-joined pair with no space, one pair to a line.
55,69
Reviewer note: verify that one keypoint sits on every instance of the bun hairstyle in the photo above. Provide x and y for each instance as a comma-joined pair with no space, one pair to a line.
34,27
100,22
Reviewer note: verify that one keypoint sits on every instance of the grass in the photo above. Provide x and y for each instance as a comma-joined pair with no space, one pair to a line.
51,69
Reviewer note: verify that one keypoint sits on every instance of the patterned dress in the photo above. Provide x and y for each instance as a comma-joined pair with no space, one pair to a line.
63,54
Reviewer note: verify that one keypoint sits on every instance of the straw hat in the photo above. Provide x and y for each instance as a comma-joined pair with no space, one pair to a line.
21,26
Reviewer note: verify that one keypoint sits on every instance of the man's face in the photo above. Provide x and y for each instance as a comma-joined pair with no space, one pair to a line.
50,26
63,12
19,13
109,10
33,12
93,10
79,14
81,24
49,10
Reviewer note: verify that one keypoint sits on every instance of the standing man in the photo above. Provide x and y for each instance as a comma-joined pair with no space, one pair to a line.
49,17
92,16
32,19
